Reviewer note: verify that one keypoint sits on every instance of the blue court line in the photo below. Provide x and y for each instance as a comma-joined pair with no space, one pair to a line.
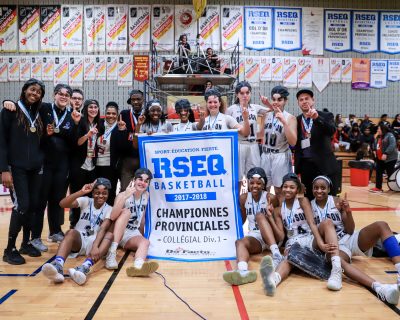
7,295
33,274
391,272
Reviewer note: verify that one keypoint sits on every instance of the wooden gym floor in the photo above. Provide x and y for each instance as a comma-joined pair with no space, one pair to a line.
26,294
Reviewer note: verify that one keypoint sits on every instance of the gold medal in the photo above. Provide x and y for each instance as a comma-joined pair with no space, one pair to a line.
90,153
32,129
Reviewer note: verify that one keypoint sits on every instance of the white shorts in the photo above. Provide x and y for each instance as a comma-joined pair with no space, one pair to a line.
349,245
304,240
249,157
257,235
128,234
86,246
276,166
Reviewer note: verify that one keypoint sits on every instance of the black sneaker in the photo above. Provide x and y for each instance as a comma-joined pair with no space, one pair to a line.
13,256
30,250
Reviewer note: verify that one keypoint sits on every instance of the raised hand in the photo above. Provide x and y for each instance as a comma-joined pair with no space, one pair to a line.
344,203
279,115
141,119
312,113
121,124
76,116
92,131
266,102
245,113
131,189
87,187
9,105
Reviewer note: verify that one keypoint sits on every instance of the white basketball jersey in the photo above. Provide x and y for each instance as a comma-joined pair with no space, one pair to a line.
185,127
330,211
236,112
137,208
220,122
252,207
275,137
294,220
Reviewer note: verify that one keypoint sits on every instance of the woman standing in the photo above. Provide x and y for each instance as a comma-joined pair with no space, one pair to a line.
21,164
153,119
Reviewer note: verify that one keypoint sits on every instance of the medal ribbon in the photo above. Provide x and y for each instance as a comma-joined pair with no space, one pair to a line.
26,113
56,121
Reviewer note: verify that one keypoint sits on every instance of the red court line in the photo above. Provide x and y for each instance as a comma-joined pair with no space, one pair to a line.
238,296
375,209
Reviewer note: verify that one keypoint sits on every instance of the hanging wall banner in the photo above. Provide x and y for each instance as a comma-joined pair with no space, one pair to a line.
346,70
304,72
379,73
101,68
89,67
112,68
95,28
50,28
365,31
3,69
258,28
232,27
75,71
265,68
47,68
390,31
337,30
29,26
361,74
71,28
13,68
162,27
394,70
185,23
277,67
209,24
320,69
117,28
313,31
289,72
193,213
139,28
141,67
287,29
61,69
125,71
36,68
335,69
8,29
252,70
24,68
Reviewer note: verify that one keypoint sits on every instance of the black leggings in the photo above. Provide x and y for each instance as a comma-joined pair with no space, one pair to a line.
381,167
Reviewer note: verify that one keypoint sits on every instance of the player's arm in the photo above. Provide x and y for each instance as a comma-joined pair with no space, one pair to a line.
242,200
71,202
306,206
347,216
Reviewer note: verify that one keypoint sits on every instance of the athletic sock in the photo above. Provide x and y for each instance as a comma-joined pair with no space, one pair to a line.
138,263
274,249
242,266
60,260
397,266
375,285
88,263
336,262
277,278
114,246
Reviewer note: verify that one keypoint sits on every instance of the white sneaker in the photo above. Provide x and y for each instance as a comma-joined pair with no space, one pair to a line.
54,272
111,261
267,271
389,293
78,274
335,280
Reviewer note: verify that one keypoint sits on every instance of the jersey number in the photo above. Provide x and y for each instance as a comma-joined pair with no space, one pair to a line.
272,140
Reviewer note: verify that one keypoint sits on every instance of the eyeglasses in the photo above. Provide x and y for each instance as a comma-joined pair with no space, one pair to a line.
65,95
76,98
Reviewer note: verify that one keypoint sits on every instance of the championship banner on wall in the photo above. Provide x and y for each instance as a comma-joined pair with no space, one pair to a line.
36,68
75,71
304,72
185,23
209,24
13,68
101,68
112,68
24,68
3,69
320,73
193,213
50,28
139,28
252,70
60,70
232,27
8,29
337,30
347,70
47,68
141,66
162,27
379,74
394,70
258,28
89,67
117,28
277,67
365,31
335,69
287,29
313,31
28,26
361,73
71,27
265,69
125,70
289,72
95,28
390,32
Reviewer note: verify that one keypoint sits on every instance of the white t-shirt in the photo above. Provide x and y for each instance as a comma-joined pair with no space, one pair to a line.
103,146
220,122
137,207
161,127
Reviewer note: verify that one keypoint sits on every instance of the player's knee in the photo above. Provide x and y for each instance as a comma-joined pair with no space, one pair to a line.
326,224
382,225
109,236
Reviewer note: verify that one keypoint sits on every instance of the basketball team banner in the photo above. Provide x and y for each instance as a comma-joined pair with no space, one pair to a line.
320,73
347,69
75,71
61,68
24,68
304,72
139,28
48,68
337,30
313,31
3,69
289,72
36,67
365,31
50,25
209,24
252,70
265,68
193,213
277,68
232,27
335,69
95,28
117,28
379,74
185,23
28,24
13,68
71,27
141,67
112,68
390,31
258,28
125,71
89,67
101,68
394,70
361,73
8,29
287,29
162,27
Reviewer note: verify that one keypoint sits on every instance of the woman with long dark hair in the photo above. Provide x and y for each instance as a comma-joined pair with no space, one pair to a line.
154,119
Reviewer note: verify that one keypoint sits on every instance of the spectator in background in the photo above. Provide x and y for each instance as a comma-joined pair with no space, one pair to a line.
365,123
355,137
396,125
338,120
77,99
341,138
368,137
350,120
384,121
